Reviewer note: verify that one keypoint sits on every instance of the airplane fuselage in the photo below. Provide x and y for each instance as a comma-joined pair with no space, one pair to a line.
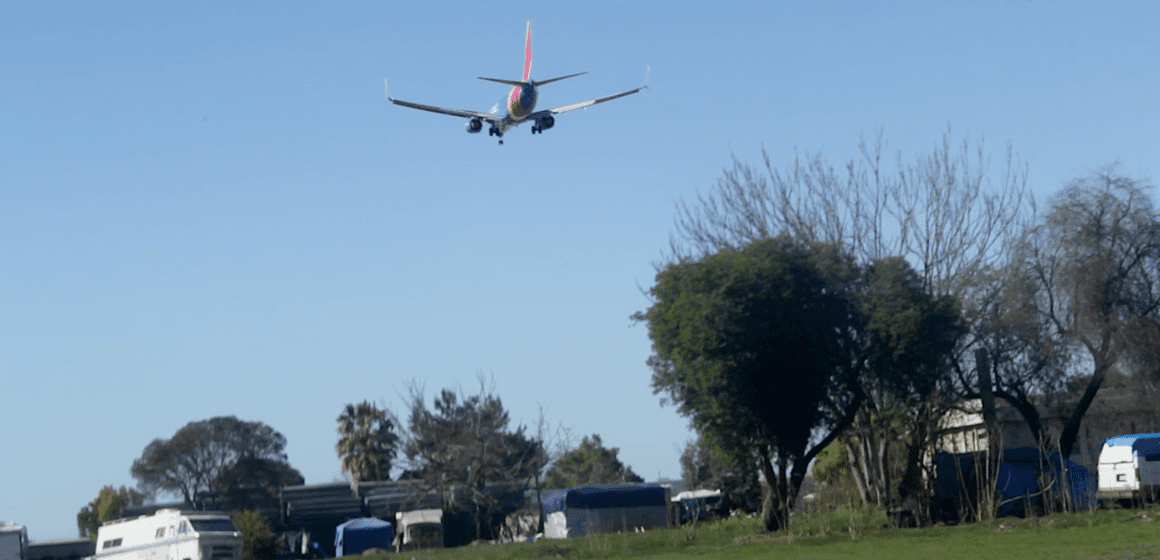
521,101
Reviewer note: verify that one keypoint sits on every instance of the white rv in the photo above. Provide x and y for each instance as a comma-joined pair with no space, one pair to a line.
170,534
13,542
1129,467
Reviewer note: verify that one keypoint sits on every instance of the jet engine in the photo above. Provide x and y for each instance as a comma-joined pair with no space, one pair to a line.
544,123
474,126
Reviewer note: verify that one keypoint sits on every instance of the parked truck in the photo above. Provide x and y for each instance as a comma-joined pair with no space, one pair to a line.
13,542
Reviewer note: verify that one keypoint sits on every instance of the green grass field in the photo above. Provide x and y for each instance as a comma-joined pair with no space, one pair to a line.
1100,534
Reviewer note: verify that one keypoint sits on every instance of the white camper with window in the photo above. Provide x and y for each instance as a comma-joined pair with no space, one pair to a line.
1129,467
170,534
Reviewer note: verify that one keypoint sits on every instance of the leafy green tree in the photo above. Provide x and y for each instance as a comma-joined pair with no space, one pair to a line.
591,463
948,212
252,479
367,442
214,456
910,339
106,507
258,536
759,347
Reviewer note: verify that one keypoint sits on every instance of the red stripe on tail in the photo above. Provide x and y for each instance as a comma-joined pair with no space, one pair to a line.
528,54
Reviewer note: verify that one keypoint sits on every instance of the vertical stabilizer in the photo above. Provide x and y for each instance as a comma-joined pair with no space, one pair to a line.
528,54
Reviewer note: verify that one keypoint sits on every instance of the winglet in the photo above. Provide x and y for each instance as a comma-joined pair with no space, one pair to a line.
387,89
646,71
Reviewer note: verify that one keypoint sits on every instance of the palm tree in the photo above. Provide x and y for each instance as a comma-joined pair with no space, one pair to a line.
366,443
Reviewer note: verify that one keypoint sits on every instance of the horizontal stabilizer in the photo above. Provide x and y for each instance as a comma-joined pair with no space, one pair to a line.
518,83
515,83
548,81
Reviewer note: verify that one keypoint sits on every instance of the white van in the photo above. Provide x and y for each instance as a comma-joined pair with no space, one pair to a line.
1129,467
170,534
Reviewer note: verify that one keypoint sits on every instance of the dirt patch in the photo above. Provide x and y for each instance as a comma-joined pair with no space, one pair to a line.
553,551
760,538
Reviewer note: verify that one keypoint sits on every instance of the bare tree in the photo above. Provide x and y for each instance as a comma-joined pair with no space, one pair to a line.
942,212
1090,270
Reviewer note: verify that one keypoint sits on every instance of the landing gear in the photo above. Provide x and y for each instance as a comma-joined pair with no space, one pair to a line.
535,129
493,131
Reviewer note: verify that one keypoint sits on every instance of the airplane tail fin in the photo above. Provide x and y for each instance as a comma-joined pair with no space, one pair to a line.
528,54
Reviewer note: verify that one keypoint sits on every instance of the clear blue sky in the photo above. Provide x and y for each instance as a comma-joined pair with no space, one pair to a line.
211,209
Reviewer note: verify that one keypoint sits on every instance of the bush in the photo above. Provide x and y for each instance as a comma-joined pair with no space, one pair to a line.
259,536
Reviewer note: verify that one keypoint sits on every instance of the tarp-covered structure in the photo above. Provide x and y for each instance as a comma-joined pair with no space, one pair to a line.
1143,445
357,535
1020,469
605,508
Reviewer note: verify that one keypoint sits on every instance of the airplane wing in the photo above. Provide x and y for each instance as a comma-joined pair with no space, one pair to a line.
590,102
489,117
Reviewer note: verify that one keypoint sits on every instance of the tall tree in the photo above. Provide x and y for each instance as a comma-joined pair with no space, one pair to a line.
946,212
367,442
466,441
203,457
106,507
1090,273
910,338
591,463
758,347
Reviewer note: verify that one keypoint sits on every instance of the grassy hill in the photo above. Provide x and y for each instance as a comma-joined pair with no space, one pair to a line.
1099,534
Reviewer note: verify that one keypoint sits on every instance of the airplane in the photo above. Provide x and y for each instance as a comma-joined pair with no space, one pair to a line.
520,102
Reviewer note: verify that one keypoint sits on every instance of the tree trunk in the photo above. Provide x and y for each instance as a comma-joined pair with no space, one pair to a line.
856,472
1071,429
771,501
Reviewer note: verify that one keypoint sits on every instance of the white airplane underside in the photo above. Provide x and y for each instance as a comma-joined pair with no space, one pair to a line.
520,102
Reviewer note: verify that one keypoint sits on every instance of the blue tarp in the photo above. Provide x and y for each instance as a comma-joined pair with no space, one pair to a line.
1146,447
357,535
1129,439
600,496
1019,471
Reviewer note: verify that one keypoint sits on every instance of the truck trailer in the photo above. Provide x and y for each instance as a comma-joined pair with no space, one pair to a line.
13,542
1129,468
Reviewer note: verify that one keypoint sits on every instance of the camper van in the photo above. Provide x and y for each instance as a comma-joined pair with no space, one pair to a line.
170,534
1129,467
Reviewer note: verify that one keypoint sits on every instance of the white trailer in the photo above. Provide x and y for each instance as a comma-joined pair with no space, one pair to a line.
13,542
419,529
1129,467
170,534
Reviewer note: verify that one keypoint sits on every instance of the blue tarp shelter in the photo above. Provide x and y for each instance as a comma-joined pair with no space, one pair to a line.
357,535
605,508
1019,470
